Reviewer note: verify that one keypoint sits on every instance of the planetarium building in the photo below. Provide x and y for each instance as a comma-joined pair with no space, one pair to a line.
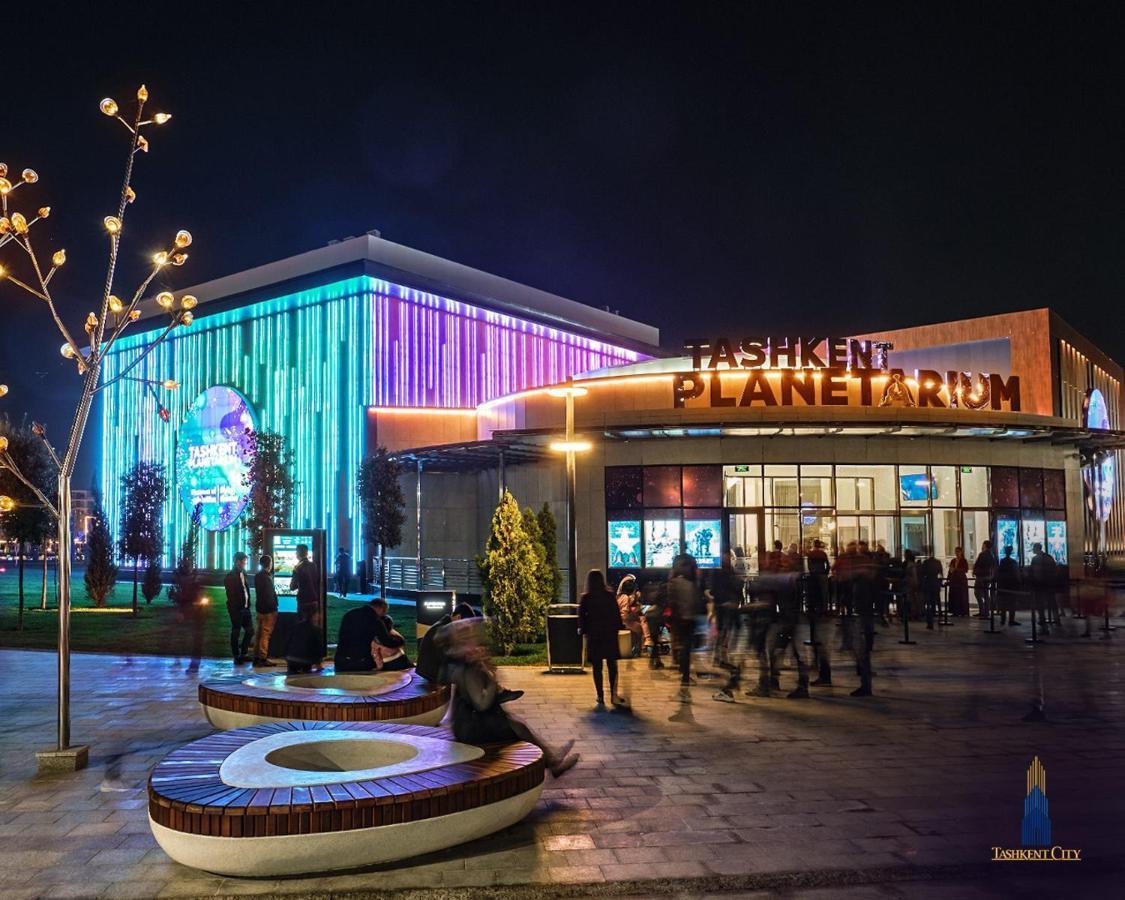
927,438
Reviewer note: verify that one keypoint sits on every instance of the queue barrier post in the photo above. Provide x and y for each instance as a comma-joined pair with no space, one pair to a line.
905,623
991,594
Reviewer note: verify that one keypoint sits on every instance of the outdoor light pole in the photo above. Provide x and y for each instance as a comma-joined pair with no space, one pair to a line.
571,447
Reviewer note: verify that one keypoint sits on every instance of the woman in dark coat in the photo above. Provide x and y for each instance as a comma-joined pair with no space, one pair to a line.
599,620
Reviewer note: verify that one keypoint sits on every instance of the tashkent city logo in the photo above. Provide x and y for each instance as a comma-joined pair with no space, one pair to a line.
1035,829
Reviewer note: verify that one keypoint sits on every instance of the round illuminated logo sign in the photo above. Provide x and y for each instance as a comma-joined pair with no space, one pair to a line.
1100,477
213,456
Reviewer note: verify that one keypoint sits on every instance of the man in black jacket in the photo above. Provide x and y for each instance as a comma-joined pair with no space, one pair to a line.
361,627
429,656
265,605
238,607
306,582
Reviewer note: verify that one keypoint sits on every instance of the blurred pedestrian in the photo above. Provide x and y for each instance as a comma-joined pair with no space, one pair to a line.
265,605
959,583
726,599
819,621
306,583
599,621
864,586
785,637
343,571
1043,574
629,605
238,608
1008,586
931,573
683,598
478,715
984,574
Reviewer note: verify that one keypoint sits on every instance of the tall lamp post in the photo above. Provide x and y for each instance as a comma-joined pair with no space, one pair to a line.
571,446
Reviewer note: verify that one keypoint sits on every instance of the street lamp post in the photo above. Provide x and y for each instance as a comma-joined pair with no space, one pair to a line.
571,447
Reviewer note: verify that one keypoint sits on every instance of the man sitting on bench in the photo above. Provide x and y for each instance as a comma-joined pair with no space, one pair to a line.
359,630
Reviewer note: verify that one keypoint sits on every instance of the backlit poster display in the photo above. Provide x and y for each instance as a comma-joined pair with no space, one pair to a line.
1056,541
213,450
662,542
1034,532
1007,535
702,539
624,543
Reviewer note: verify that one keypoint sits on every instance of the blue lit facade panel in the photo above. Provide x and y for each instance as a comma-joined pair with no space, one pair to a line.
310,363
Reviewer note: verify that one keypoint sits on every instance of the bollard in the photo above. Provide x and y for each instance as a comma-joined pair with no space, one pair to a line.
943,609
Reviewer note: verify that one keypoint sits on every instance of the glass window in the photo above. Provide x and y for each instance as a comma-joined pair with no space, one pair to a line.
781,486
818,525
1056,539
866,488
915,487
886,534
974,525
1005,486
1031,488
703,536
742,486
974,487
1054,488
784,526
703,485
623,487
816,485
853,529
662,538
944,485
624,537
947,534
662,486
915,533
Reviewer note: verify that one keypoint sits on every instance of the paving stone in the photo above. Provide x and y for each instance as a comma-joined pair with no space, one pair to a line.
928,774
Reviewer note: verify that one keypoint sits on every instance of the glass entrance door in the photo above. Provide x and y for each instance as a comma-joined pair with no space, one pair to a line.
746,537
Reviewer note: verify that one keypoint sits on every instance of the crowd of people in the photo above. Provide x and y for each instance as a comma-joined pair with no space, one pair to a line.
753,619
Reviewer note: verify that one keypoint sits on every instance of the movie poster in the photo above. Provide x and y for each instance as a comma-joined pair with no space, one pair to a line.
625,544
702,539
1034,532
1056,541
662,542
1007,535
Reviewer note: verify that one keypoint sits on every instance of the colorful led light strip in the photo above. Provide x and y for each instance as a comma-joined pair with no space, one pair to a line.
311,363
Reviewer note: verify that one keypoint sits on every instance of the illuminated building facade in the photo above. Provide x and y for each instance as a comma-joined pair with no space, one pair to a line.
307,346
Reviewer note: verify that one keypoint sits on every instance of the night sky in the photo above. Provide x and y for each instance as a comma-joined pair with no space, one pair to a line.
705,166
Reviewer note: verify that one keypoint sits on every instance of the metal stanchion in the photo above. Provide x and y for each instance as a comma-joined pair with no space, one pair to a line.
943,608
991,595
1034,639
1107,629
905,623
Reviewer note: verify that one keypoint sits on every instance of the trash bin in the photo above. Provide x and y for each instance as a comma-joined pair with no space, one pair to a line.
565,647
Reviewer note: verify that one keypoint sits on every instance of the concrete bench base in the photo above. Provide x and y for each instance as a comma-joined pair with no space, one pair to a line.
239,701
298,854
304,797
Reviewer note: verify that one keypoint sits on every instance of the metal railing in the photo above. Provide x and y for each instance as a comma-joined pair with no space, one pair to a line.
440,573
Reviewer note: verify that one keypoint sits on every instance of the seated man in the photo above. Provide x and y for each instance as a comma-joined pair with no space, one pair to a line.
361,629
429,657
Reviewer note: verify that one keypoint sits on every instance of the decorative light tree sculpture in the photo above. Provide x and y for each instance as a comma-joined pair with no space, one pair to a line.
103,327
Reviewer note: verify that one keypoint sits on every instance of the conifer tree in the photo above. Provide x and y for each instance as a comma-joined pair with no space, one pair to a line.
101,571
549,533
509,572
144,489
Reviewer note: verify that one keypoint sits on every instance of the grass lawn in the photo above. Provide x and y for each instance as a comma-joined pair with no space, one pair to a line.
157,629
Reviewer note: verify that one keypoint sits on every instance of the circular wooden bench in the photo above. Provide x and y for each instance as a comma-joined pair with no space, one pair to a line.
237,701
301,797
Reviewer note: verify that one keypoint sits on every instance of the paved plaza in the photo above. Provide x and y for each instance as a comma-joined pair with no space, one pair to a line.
900,795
